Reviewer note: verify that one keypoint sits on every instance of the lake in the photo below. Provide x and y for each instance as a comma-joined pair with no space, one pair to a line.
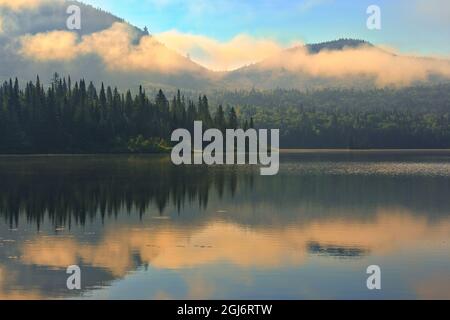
141,228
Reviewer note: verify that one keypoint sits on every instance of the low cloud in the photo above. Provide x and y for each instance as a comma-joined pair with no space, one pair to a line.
55,45
115,46
220,56
385,67
120,50
166,52
18,5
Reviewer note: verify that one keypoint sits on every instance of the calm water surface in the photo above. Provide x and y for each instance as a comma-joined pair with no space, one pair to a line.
141,228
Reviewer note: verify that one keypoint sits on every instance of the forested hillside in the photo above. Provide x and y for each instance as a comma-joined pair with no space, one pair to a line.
414,117
79,118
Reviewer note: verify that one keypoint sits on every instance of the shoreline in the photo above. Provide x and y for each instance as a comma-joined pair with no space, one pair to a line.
282,151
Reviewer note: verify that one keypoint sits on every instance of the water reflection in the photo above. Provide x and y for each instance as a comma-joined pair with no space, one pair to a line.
142,228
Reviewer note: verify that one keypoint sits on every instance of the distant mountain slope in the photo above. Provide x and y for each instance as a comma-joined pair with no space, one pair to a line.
52,17
343,63
263,77
301,67
337,45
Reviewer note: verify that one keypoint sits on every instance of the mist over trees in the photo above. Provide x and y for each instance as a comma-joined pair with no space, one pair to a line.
414,117
79,118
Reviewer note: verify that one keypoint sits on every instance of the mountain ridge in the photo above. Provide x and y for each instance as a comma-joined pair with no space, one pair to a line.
271,73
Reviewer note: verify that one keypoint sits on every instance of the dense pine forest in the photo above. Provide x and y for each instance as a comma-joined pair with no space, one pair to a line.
412,117
78,118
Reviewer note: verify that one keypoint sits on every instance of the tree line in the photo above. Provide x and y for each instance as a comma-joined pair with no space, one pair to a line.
412,117
358,130
79,118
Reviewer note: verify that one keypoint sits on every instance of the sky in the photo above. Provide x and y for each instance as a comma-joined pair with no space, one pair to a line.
409,26
224,35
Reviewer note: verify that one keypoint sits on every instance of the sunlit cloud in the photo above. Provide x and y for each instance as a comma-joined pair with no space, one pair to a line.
17,5
54,45
220,56
385,67
114,46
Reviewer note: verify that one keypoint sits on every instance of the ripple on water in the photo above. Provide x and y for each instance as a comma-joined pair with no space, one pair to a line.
368,168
